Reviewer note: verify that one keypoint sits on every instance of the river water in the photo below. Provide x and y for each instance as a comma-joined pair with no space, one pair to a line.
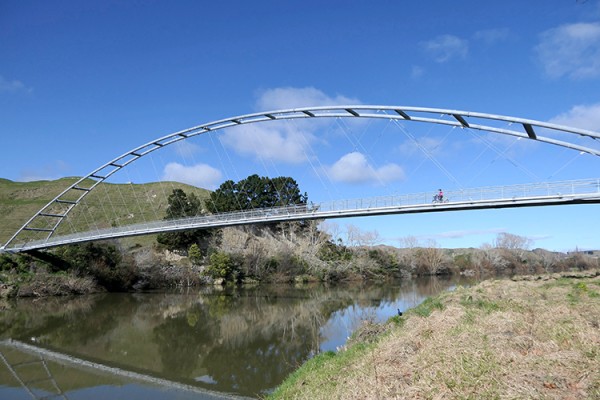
194,344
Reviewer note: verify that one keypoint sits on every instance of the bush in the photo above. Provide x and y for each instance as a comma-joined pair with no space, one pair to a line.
332,252
118,276
221,266
463,262
7,262
194,254
385,260
103,262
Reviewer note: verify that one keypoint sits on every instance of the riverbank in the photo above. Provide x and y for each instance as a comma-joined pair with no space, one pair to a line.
529,337
251,256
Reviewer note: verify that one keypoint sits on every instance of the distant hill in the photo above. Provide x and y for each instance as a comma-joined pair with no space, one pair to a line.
113,204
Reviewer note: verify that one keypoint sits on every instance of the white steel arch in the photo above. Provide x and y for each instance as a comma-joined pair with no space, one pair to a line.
524,128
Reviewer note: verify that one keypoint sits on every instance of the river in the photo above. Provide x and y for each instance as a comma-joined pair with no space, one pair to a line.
203,343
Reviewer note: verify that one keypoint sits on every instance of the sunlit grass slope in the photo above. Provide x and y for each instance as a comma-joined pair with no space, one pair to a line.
107,205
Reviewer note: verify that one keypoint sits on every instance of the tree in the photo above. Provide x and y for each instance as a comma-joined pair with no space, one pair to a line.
225,198
333,230
180,205
221,266
515,243
357,237
194,254
409,242
256,192
431,257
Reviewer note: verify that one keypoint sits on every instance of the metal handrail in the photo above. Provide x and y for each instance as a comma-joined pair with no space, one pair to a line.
485,197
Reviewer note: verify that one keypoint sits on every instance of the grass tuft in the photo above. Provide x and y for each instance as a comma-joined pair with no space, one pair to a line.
427,307
482,304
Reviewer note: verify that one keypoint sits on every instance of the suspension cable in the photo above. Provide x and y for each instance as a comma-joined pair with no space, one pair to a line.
566,164
428,154
502,153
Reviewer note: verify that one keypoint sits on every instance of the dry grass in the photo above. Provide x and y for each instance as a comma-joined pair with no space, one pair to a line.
502,339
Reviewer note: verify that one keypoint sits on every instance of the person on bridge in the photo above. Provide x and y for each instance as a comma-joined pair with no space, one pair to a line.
440,195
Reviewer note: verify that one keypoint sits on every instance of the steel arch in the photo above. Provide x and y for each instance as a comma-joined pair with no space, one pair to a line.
461,119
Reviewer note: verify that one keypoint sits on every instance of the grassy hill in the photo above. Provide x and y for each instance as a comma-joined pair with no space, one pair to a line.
107,205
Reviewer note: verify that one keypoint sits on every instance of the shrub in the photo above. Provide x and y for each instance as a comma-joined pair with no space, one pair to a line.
463,262
103,262
194,254
332,252
221,266
7,262
114,276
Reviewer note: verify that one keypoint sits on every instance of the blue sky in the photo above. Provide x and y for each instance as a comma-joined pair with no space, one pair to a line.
83,82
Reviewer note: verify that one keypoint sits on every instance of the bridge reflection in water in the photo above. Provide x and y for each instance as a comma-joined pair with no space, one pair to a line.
38,371
239,341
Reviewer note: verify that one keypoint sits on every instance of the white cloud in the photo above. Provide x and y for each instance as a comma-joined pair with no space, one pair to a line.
354,168
492,36
13,86
580,116
430,145
199,175
445,47
185,148
416,72
278,140
571,50
289,97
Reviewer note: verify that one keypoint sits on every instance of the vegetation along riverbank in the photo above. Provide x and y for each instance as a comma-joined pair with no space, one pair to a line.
297,251
532,337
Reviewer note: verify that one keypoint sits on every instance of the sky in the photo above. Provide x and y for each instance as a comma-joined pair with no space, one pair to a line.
83,82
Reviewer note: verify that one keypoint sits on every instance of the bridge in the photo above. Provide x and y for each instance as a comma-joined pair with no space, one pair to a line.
31,359
48,226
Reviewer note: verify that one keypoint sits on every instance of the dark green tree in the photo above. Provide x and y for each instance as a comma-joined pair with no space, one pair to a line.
182,205
256,192
225,198
260,192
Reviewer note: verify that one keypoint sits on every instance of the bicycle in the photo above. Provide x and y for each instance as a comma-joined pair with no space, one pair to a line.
439,199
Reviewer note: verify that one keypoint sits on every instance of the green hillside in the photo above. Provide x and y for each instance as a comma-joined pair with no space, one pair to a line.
105,206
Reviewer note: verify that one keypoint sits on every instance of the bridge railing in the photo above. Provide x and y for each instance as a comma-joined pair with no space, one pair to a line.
230,218
469,195
326,209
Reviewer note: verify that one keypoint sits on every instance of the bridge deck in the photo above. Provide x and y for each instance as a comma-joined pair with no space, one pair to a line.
540,194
